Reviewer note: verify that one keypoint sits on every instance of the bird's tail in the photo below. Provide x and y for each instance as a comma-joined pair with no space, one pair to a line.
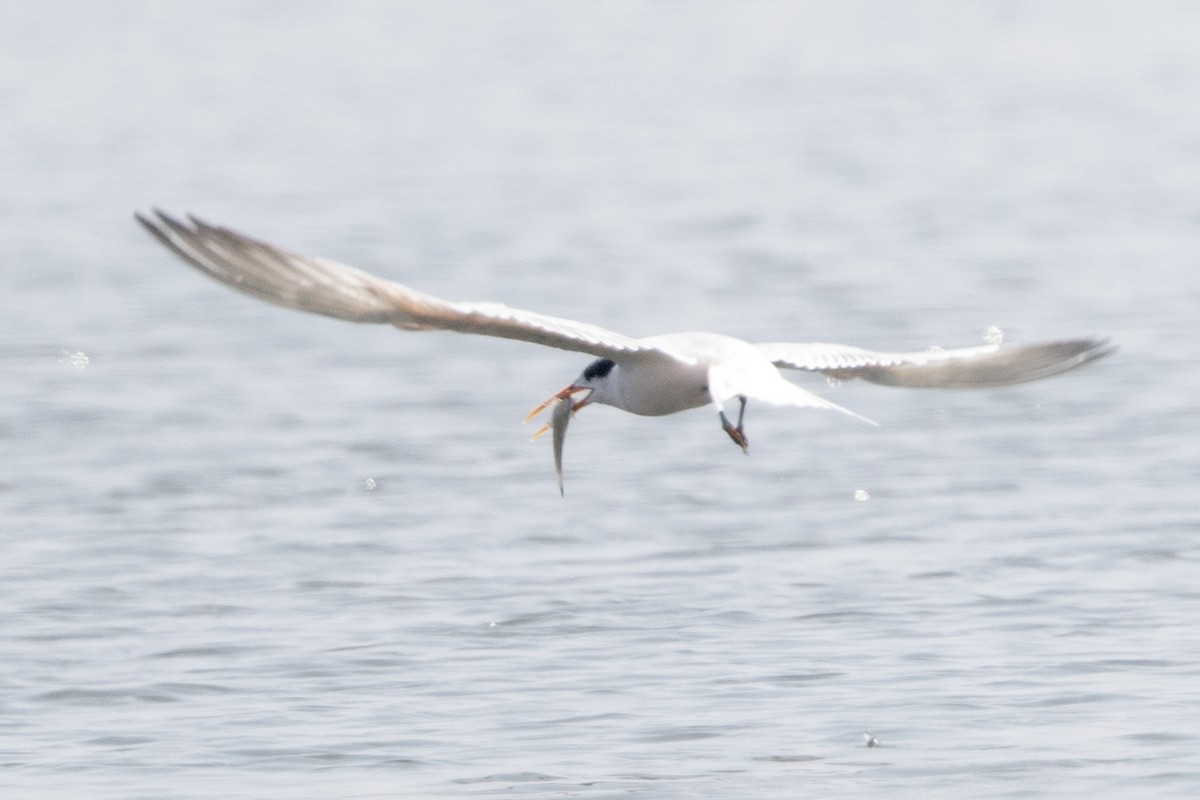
789,394
773,389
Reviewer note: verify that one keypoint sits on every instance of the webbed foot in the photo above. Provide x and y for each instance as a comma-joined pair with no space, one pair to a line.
737,434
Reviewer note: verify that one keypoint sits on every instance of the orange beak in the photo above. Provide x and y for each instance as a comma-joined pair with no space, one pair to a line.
563,394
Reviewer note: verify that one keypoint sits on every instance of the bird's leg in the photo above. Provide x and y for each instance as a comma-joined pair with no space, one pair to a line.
738,436
736,433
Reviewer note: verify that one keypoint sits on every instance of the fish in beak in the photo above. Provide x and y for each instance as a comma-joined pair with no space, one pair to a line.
563,407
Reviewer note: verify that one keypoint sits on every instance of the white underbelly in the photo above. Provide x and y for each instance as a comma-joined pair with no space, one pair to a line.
657,389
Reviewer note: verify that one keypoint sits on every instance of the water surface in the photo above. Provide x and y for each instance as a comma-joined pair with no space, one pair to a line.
252,553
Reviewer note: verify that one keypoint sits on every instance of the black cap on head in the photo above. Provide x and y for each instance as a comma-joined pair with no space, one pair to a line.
598,369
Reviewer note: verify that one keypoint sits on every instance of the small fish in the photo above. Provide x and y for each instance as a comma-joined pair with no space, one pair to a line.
560,416
558,420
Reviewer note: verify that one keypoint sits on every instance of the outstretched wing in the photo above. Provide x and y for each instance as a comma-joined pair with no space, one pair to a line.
956,368
326,287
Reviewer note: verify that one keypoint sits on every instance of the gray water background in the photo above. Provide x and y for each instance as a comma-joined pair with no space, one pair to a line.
246,552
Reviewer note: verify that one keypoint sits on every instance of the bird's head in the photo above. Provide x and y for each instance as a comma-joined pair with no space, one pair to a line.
595,384
599,380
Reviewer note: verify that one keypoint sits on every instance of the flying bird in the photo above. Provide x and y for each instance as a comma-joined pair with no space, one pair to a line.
650,376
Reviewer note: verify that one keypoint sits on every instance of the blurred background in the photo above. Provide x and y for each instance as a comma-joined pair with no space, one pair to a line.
254,553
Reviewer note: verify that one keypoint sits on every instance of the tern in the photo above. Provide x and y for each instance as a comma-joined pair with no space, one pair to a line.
651,376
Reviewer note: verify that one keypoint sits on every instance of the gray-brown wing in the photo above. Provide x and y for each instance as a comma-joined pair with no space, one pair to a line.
321,286
955,368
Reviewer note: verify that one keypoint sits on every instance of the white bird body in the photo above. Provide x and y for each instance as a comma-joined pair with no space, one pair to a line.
652,376
654,387
705,368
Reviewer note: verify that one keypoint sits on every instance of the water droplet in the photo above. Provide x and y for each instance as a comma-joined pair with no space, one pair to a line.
832,381
78,360
993,335
370,484
870,740
862,495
